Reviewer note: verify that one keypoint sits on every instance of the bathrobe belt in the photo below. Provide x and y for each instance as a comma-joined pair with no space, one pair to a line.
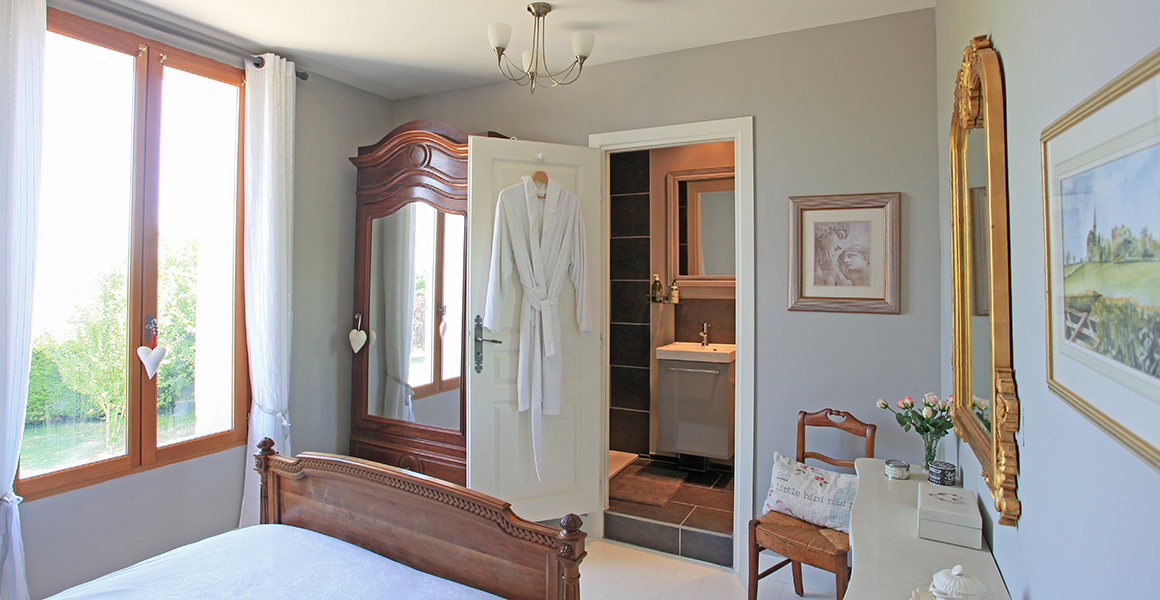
549,317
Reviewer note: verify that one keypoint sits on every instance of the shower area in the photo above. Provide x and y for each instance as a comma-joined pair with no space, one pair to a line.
671,354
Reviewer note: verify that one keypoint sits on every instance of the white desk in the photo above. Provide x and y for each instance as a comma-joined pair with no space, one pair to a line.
890,560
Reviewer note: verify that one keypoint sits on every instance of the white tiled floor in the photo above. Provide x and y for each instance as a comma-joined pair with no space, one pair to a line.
615,571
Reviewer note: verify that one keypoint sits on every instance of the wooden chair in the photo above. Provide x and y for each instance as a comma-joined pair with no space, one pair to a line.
799,541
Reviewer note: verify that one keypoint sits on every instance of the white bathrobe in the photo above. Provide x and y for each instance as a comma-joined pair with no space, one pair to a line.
544,239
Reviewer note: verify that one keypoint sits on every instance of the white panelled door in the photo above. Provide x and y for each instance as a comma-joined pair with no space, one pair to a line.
499,447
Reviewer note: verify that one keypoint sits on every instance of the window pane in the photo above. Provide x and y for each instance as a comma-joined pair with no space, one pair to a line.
76,392
195,262
423,325
453,240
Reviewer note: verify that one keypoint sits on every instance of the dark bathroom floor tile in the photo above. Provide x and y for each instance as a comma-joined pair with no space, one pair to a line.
673,512
725,482
709,519
657,536
706,479
700,496
708,547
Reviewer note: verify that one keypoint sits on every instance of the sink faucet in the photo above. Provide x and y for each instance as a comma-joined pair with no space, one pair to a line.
704,334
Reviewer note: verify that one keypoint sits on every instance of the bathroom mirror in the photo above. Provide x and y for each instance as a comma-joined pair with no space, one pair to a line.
416,312
701,233
986,406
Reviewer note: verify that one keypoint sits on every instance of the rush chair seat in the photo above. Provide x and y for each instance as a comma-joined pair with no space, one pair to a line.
798,541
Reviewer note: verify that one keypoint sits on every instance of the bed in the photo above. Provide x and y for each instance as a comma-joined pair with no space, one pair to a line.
346,528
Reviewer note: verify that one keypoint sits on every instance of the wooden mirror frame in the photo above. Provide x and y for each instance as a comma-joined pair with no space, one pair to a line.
979,104
691,284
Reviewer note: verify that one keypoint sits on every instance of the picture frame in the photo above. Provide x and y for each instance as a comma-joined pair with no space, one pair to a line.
845,253
1101,170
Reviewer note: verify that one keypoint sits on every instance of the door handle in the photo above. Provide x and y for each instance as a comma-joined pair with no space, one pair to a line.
479,340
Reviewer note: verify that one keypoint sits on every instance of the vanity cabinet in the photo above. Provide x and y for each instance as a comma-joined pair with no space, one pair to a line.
407,401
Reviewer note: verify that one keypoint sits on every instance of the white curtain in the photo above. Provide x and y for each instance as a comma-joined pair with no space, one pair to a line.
269,237
22,81
397,270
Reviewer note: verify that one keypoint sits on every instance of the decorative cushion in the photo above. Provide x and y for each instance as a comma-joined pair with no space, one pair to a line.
811,494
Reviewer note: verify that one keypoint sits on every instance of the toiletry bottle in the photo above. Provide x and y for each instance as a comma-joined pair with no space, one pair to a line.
657,293
674,293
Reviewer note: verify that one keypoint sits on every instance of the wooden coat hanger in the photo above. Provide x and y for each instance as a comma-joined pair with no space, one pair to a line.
541,177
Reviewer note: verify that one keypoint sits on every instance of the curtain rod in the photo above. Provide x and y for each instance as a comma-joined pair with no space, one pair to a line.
181,32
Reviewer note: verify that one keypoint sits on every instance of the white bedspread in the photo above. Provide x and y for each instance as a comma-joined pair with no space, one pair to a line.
270,562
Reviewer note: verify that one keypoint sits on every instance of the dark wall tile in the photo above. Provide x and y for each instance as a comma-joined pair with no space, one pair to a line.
719,314
629,345
708,547
628,172
629,216
629,302
665,538
628,431
629,388
629,259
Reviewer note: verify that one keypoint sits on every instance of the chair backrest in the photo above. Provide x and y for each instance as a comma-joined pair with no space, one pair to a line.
846,423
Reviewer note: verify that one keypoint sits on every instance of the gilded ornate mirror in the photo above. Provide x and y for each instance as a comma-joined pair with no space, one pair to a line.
986,407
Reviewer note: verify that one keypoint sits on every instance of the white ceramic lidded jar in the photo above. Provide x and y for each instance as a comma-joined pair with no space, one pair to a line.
954,584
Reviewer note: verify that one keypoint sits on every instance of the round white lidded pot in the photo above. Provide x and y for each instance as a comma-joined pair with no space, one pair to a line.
954,584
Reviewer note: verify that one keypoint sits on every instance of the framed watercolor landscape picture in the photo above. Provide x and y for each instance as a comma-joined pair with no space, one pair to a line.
1101,166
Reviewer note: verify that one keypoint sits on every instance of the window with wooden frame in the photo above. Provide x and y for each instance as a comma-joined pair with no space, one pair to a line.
138,353
438,301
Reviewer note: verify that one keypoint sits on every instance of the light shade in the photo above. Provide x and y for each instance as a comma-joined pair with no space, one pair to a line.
499,34
527,56
582,43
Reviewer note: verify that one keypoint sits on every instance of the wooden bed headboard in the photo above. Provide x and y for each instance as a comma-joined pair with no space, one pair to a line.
431,525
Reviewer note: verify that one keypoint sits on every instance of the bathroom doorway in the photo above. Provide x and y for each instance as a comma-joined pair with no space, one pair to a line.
660,498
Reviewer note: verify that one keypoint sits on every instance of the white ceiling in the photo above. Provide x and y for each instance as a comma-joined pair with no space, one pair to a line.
405,48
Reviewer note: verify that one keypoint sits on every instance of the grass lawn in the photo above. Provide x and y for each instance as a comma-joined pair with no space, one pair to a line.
1137,279
59,446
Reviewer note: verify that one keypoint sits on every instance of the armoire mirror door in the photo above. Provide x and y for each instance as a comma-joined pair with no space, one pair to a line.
407,401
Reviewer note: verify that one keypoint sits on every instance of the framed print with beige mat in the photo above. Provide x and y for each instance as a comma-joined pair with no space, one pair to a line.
1101,182
844,253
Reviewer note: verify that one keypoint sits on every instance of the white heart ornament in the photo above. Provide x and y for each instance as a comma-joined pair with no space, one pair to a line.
357,340
151,358
371,338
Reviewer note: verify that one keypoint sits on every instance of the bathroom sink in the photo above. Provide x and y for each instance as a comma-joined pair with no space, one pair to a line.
714,353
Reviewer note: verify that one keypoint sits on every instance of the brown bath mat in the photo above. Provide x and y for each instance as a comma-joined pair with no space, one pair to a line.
645,484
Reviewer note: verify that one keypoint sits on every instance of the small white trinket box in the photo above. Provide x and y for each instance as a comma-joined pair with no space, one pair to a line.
949,515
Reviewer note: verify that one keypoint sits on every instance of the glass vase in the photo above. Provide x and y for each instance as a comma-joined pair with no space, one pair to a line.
930,443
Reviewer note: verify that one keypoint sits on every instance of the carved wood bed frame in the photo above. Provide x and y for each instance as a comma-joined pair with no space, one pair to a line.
431,525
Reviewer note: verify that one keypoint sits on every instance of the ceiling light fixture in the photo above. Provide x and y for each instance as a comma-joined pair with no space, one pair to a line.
535,66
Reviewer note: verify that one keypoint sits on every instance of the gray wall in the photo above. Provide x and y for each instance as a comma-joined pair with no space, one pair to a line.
1089,524
837,110
76,536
